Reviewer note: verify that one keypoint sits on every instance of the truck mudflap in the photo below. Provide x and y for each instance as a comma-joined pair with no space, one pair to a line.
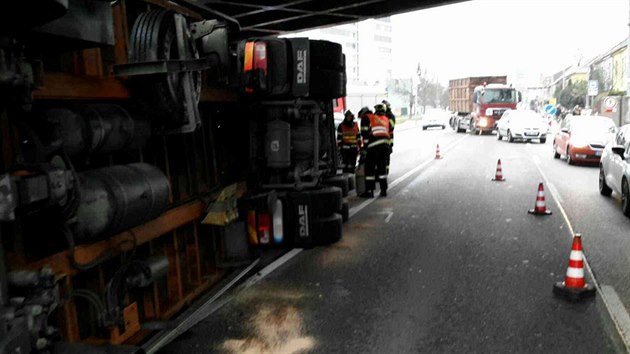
313,216
294,219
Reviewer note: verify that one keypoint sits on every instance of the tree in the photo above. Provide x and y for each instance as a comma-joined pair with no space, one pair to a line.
429,92
573,94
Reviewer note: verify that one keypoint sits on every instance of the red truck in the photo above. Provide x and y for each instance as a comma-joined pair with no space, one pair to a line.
478,102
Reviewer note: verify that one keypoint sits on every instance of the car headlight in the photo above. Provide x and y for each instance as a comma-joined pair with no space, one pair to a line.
483,122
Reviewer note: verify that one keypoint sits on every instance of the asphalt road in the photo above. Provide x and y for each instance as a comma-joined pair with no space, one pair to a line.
449,262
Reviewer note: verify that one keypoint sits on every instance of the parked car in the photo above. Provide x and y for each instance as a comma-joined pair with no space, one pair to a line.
522,125
583,138
614,168
435,118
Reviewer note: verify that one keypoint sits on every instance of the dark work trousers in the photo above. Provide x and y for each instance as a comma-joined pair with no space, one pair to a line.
376,167
349,159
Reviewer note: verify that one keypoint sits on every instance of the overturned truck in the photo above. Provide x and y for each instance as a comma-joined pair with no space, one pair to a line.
146,152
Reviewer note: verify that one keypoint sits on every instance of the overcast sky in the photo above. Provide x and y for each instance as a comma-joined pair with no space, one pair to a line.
494,37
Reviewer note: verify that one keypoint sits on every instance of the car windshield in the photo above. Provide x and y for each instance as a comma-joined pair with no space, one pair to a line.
498,95
594,126
525,117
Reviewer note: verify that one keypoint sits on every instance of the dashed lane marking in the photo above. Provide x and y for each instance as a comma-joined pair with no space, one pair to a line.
616,310
402,178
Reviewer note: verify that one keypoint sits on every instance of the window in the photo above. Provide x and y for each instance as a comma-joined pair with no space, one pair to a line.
384,50
337,31
380,38
498,95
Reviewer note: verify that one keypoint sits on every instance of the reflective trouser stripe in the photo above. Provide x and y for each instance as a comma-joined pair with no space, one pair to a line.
378,142
382,176
370,178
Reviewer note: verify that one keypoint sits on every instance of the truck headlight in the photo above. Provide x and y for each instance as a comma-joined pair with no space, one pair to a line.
483,122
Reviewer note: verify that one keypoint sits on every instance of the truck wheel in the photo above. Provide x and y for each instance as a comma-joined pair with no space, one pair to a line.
556,155
327,230
326,55
351,182
339,181
326,201
345,212
459,128
327,84
472,128
153,38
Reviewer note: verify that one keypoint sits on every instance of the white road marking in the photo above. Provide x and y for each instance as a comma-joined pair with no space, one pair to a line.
285,258
616,309
389,212
400,179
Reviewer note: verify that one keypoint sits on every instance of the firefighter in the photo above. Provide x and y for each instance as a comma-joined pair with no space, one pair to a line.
392,124
375,130
349,142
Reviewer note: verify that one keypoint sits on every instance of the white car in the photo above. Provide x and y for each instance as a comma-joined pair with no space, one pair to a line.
614,168
523,125
435,118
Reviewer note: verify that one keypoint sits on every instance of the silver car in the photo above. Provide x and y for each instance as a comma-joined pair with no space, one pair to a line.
614,168
522,125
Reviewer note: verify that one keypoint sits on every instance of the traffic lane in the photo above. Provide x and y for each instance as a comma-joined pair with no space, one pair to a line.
599,219
507,260
459,266
412,147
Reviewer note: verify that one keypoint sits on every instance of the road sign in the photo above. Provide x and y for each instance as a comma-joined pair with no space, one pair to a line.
610,103
593,88
550,109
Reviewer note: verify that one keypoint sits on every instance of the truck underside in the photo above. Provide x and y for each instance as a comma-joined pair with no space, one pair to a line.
146,154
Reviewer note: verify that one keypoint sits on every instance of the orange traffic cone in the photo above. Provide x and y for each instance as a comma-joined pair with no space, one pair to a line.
498,176
574,287
437,152
540,208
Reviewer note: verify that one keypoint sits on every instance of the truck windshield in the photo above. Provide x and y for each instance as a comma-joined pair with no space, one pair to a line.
498,95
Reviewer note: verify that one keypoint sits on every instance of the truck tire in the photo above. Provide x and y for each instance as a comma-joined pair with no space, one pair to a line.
152,38
471,126
351,182
326,201
458,128
345,211
340,181
327,230
326,55
327,84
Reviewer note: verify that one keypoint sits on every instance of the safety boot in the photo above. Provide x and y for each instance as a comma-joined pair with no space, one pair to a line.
367,194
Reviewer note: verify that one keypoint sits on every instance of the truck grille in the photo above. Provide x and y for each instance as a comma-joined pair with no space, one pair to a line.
498,112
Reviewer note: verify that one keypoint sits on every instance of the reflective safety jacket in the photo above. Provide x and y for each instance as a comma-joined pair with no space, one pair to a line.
392,123
348,136
375,130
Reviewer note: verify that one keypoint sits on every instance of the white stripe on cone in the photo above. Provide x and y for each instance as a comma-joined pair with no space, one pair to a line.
575,272
576,256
